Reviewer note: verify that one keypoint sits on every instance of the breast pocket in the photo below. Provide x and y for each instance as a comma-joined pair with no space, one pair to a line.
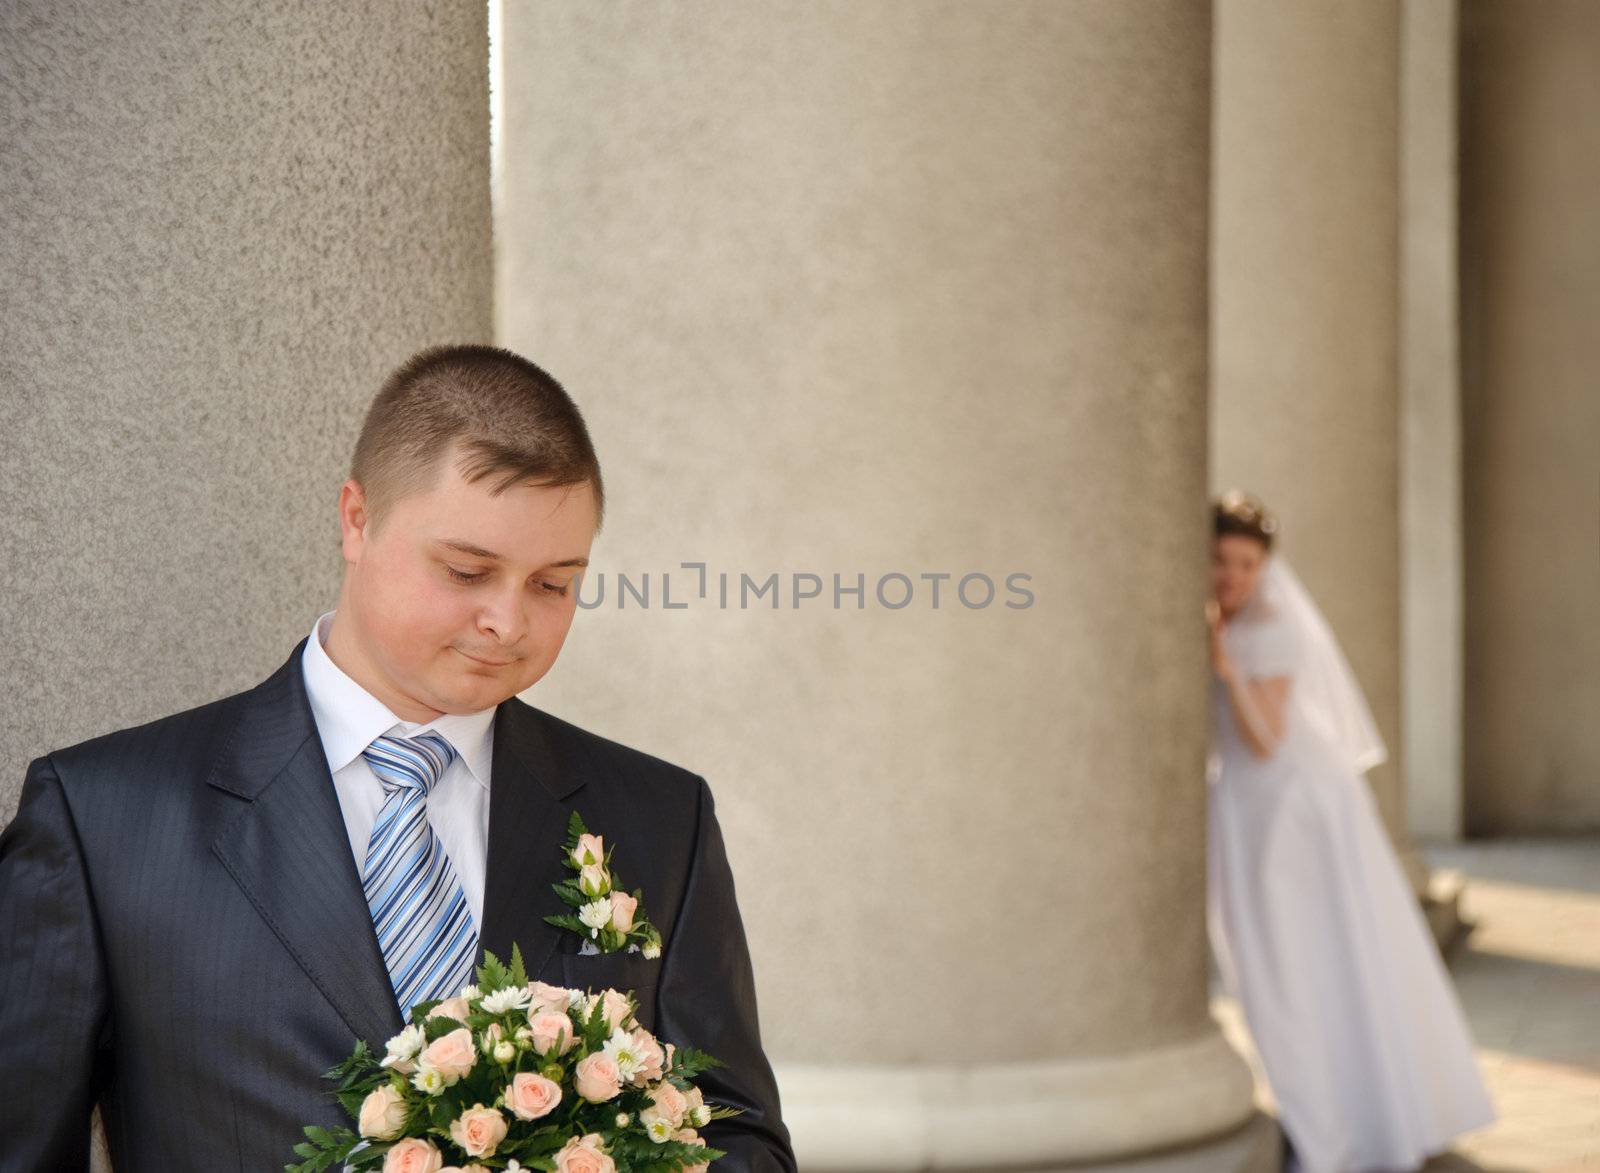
621,971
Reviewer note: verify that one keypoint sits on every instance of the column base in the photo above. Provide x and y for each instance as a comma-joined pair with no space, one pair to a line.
1040,1115
1255,1148
1441,904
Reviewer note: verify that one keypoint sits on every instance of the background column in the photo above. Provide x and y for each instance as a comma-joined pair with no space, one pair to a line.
904,289
1306,318
1530,300
1430,388
223,224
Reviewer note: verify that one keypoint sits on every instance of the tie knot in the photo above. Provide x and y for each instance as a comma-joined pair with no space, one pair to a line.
415,763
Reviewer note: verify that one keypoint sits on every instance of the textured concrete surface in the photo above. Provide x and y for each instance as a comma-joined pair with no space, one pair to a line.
863,289
224,222
1305,338
1430,419
1530,121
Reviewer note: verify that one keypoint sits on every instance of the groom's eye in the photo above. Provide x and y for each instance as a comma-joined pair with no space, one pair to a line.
555,588
463,576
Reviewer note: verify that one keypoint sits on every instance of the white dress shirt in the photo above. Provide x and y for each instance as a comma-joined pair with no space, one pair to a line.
349,718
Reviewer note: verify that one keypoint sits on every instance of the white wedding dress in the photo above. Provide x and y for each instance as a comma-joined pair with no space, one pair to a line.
1314,926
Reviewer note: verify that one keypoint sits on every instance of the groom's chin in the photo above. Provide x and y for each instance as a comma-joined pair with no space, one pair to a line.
472,692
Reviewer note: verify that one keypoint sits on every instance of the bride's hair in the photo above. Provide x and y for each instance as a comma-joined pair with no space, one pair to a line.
1237,512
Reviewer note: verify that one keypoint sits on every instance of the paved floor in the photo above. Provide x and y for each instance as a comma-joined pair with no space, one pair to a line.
1529,979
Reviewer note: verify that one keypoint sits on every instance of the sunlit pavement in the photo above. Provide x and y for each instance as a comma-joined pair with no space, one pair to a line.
1529,978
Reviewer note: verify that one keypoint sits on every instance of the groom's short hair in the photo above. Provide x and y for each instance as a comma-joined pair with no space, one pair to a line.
507,415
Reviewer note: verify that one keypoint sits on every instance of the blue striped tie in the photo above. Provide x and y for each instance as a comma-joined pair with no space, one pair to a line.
424,925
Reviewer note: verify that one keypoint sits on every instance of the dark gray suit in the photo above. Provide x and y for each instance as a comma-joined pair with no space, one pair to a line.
186,940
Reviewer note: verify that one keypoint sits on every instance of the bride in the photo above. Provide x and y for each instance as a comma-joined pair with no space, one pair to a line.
1314,926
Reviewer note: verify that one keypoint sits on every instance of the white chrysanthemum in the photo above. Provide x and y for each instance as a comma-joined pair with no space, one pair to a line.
621,1047
622,1119
700,1115
510,998
596,914
651,949
428,1081
403,1047
470,992
659,1130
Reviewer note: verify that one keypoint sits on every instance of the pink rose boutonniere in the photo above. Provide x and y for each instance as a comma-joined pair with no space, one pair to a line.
607,917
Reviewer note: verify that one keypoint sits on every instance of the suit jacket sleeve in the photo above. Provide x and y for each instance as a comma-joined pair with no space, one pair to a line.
707,1000
54,1015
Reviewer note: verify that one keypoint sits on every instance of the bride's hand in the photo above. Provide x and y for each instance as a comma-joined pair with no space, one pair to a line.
1221,663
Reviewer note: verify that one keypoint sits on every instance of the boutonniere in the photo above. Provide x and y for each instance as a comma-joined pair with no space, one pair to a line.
607,918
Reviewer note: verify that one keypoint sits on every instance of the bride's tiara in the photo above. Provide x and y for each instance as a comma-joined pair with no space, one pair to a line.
1238,512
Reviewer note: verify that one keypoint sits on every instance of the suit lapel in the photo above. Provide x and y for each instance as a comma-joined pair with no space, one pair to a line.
289,851
529,804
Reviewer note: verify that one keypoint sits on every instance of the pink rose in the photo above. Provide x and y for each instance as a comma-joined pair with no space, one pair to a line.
552,1033
451,1055
590,849
697,1102
652,1059
690,1136
413,1156
532,1096
478,1130
584,1154
666,1103
548,997
455,1008
617,1008
593,879
383,1114
623,907
597,1078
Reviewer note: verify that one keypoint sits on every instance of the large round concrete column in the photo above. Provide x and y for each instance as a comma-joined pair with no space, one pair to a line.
857,296
223,223
1306,298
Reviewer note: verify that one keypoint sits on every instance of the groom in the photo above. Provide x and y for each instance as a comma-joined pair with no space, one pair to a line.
187,936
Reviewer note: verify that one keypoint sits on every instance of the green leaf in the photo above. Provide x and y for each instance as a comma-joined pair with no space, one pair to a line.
439,1026
519,974
492,974
568,922
575,827
571,894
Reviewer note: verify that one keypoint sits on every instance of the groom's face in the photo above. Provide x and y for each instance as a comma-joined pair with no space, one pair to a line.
460,598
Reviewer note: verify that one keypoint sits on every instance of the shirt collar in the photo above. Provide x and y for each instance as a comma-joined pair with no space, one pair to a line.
349,717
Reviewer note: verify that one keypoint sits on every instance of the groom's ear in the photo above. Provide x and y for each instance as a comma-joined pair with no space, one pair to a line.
354,519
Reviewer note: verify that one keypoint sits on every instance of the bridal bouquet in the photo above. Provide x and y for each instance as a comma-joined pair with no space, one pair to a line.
517,1075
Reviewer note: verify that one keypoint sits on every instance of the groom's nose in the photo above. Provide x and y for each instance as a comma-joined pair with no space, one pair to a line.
502,616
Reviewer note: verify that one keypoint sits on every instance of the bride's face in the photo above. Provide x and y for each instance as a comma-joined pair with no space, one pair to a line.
1236,562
